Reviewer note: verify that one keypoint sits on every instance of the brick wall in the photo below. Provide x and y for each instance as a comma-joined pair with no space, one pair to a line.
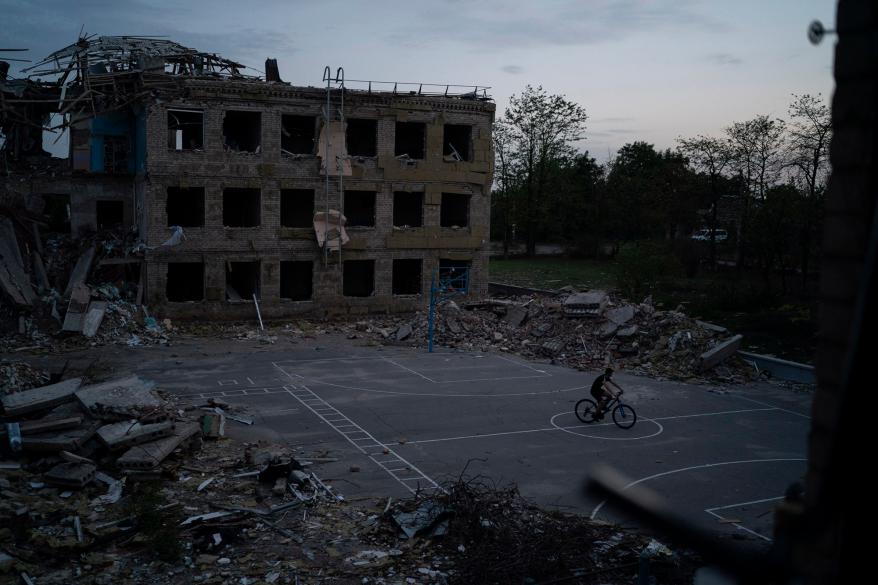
214,168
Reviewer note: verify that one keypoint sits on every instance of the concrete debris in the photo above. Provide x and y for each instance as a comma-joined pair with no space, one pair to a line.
589,304
722,351
42,398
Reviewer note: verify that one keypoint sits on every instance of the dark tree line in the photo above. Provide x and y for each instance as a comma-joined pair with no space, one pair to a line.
762,181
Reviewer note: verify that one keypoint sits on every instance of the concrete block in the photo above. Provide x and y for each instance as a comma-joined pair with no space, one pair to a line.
151,454
122,395
69,474
129,433
40,398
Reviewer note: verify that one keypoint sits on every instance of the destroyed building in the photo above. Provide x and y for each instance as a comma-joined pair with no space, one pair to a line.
327,200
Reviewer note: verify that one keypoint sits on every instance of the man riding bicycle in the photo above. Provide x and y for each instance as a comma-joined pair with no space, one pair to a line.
600,391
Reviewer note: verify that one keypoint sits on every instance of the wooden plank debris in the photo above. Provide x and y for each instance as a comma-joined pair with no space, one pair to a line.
81,270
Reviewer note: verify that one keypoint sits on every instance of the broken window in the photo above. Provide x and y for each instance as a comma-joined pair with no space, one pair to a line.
185,129
295,280
455,273
456,140
410,139
359,208
454,210
185,282
408,209
242,280
362,137
407,277
116,154
109,214
241,207
57,209
185,206
297,208
359,278
242,131
297,134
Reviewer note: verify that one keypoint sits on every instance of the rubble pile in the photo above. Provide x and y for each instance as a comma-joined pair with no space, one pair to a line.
68,293
583,331
479,533
20,376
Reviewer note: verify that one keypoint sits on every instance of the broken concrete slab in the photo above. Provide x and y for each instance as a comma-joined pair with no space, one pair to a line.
149,455
620,315
590,304
41,398
77,308
126,434
81,270
119,396
403,332
711,327
69,474
93,318
516,316
608,329
719,353
629,331
35,427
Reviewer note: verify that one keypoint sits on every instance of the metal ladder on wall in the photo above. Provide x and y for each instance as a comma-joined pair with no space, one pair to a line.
329,114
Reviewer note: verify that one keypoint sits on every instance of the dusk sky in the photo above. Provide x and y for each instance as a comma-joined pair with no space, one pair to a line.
643,69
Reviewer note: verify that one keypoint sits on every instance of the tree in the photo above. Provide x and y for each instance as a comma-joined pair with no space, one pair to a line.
711,157
542,128
810,132
506,180
756,152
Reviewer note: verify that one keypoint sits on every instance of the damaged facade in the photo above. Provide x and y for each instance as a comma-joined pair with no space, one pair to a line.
229,180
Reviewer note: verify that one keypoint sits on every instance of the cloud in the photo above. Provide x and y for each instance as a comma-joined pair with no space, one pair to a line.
724,59
505,24
513,69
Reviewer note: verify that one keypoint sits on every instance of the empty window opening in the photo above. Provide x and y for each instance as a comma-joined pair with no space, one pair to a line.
454,211
185,282
241,207
185,206
410,139
362,137
242,131
455,273
359,278
109,214
185,130
297,208
359,208
407,277
408,209
57,209
456,141
116,150
242,280
295,280
297,134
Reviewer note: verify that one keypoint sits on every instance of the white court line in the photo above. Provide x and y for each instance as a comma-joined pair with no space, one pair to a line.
518,363
771,405
408,370
738,525
691,468
303,391
580,427
449,394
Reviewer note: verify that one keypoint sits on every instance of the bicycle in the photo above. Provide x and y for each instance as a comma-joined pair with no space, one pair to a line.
623,415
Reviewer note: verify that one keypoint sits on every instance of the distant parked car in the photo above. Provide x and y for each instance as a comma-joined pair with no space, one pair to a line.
703,235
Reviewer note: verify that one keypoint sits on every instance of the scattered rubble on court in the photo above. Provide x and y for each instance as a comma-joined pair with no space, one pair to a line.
116,481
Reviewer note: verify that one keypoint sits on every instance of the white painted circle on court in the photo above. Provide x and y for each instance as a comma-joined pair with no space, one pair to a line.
608,424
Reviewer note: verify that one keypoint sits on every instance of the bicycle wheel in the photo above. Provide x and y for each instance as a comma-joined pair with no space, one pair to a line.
624,416
586,409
